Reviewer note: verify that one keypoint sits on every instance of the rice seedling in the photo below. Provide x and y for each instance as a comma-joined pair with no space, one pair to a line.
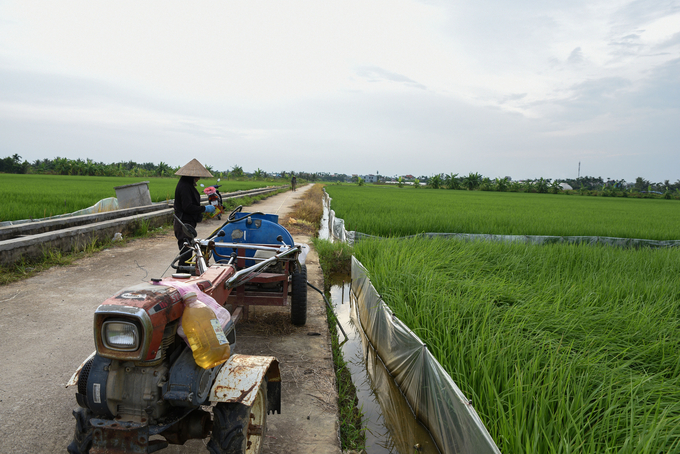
561,348
389,211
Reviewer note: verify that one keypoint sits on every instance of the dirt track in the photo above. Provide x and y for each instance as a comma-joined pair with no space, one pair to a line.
46,332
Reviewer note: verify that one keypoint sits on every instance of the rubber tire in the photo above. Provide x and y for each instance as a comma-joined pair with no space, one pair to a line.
298,298
230,426
82,439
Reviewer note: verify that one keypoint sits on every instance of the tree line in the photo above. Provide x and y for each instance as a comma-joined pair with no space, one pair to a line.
88,167
582,185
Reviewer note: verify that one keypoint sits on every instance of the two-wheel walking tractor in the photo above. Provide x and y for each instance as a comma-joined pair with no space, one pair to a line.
142,390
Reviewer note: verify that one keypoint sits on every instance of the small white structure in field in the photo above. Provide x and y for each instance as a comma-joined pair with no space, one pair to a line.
133,195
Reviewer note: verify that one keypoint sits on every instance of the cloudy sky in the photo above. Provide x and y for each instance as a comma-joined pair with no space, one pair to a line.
525,89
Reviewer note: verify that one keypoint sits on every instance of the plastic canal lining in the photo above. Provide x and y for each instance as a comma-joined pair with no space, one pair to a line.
390,424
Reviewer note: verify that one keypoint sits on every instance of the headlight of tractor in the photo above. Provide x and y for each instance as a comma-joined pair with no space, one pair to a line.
120,335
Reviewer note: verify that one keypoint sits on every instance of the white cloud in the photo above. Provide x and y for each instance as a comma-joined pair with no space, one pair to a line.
424,84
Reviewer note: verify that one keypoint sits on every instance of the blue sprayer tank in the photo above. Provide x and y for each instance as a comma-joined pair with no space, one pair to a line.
257,228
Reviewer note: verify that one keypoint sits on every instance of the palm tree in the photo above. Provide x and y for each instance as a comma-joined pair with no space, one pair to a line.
237,171
452,181
472,181
436,182
486,184
515,186
555,187
542,185
501,184
162,169
89,167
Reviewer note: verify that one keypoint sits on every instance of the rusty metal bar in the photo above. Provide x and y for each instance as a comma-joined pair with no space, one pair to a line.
246,274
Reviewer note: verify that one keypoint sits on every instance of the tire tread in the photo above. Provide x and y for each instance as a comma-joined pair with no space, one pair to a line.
298,300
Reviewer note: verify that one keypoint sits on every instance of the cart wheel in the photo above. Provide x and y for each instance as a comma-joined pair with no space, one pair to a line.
298,299
82,439
238,428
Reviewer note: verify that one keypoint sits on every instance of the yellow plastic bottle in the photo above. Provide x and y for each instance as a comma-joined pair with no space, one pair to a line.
209,345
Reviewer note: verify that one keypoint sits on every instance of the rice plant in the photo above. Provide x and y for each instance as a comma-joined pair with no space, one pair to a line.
561,348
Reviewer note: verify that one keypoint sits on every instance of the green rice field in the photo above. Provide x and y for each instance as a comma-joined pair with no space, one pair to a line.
39,196
561,348
390,211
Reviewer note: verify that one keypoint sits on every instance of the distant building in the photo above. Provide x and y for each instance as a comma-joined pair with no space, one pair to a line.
370,178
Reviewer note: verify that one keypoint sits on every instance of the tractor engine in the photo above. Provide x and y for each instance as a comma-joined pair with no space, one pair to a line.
142,371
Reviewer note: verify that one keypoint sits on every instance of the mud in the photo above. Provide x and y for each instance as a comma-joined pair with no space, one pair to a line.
46,332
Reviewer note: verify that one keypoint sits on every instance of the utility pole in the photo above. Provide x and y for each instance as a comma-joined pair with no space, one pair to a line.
579,170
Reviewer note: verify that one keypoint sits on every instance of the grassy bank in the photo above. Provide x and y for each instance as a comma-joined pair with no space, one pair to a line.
389,211
562,348
305,216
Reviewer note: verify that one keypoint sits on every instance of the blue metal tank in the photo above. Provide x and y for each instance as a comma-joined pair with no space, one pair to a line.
256,228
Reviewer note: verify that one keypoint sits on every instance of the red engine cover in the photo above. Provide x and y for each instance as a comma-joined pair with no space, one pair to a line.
162,305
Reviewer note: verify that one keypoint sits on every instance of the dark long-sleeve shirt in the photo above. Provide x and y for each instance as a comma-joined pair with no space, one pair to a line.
188,202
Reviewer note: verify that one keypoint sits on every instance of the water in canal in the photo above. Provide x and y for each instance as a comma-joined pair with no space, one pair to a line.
390,424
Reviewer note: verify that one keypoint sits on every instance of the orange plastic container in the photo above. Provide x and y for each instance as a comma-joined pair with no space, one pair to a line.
209,345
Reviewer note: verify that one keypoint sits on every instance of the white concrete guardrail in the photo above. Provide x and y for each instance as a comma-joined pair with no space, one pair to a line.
34,239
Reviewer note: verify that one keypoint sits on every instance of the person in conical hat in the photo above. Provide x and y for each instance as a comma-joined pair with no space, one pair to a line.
187,203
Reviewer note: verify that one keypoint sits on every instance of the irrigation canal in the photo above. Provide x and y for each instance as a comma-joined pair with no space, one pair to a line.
391,427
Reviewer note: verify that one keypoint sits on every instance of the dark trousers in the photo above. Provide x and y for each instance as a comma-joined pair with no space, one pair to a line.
185,252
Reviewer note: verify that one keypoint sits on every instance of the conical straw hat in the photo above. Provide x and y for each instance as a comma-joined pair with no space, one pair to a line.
194,169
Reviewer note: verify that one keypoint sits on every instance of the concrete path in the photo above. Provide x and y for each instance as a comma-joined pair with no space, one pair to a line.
46,332
281,203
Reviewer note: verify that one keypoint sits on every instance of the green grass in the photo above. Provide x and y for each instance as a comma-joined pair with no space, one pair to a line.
389,211
39,196
352,432
561,348
335,258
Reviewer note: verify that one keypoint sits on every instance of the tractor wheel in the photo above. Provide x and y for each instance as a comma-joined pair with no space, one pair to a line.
238,428
298,298
82,439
